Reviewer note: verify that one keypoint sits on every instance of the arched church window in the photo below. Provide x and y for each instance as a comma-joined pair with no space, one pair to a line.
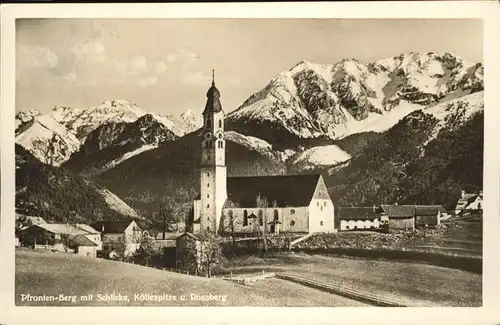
245,218
208,196
208,205
209,121
261,217
276,215
209,144
220,123
208,184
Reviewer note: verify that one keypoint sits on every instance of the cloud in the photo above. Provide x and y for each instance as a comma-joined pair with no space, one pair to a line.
133,66
37,56
160,67
144,82
90,51
183,55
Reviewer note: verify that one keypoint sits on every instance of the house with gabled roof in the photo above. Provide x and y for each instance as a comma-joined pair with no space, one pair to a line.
60,237
120,235
82,245
292,203
469,202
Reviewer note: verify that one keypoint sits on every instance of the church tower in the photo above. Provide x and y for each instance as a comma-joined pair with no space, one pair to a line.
213,166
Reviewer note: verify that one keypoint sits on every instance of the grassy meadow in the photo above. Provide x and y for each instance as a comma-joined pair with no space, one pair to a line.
415,283
52,274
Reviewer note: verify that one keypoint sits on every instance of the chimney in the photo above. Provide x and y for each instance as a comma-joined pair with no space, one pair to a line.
374,208
462,194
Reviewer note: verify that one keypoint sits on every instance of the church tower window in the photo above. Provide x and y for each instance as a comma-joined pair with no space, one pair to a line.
220,123
261,217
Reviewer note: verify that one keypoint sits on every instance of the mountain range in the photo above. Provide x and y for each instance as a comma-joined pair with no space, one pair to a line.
396,129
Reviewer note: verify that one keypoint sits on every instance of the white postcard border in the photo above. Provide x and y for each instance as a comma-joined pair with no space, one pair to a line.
487,314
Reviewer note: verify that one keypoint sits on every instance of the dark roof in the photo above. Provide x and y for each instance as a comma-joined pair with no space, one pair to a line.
466,200
213,104
357,213
429,210
399,211
168,235
111,226
286,190
188,235
81,240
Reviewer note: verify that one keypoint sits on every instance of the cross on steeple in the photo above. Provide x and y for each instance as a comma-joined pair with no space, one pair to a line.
213,76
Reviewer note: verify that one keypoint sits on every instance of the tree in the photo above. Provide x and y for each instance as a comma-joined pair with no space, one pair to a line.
229,226
262,205
145,252
166,215
203,252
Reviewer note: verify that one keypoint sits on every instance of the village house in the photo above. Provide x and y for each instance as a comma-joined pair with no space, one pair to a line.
60,237
288,203
358,218
401,217
120,236
82,245
92,234
428,215
469,202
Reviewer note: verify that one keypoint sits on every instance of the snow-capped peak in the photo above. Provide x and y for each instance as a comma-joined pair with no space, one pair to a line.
335,100
193,120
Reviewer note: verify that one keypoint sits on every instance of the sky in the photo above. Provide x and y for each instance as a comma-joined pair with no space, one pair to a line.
165,65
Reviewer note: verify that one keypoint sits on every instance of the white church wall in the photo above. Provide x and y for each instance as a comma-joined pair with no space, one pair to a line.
321,215
298,215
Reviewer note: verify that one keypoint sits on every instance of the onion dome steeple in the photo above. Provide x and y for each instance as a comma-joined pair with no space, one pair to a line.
213,103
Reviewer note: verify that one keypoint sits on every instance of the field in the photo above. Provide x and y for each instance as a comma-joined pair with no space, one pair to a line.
52,274
416,284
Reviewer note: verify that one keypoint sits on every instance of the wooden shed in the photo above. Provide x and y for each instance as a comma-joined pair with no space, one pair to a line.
401,217
428,215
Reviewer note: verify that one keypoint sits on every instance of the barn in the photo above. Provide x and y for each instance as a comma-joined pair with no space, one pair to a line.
428,215
357,218
401,217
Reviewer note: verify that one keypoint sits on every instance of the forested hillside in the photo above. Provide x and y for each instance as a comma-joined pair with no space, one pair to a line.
56,194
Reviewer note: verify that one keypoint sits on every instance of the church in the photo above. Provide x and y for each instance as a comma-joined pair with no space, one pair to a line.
250,204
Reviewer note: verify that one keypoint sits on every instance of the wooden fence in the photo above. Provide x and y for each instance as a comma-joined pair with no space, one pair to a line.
343,291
